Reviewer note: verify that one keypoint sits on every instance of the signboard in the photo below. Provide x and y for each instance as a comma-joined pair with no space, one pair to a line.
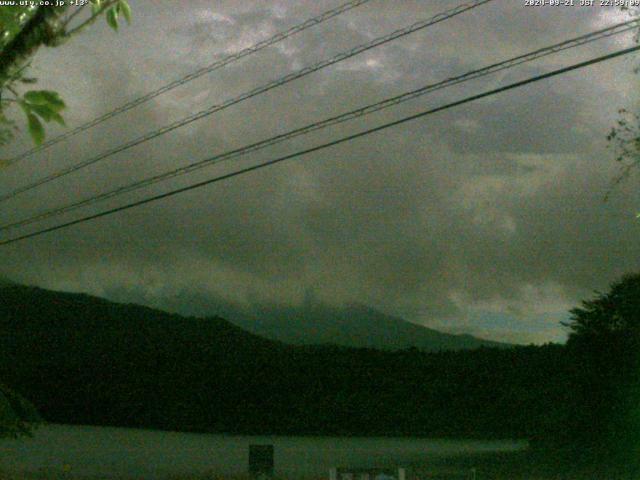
261,460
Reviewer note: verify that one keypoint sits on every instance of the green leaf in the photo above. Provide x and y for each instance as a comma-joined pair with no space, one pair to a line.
112,18
56,117
43,111
47,114
26,108
45,97
125,9
36,130
36,97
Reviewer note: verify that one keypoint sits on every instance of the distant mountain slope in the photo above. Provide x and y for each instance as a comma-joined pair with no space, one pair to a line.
62,349
314,323
352,326
85,360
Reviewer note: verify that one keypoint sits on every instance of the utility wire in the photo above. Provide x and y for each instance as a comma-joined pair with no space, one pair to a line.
311,22
256,91
323,146
386,103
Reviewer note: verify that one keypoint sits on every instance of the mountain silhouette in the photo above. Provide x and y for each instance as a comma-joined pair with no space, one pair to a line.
81,359
317,323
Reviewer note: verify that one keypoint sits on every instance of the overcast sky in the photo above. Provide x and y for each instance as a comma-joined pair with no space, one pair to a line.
486,219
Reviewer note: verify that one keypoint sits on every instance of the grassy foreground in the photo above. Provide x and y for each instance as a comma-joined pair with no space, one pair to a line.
546,465
527,465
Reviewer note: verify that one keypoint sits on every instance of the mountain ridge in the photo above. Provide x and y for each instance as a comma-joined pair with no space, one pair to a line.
312,323
84,360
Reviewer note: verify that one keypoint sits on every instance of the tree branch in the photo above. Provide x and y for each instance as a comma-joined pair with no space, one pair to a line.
35,33
91,19
73,15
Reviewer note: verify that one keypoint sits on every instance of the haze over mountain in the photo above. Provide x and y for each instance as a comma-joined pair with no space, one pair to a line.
317,323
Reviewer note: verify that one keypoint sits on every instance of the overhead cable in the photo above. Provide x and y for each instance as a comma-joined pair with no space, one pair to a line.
360,112
278,37
323,146
250,94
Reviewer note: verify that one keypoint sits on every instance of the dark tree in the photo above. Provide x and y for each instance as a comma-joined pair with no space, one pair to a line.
604,343
612,316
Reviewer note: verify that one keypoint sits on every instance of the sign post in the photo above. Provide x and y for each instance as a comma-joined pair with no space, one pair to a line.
261,461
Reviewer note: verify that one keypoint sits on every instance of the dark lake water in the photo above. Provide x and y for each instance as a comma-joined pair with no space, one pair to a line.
123,452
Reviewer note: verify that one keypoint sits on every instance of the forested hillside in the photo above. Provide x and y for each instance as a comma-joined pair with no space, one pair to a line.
81,359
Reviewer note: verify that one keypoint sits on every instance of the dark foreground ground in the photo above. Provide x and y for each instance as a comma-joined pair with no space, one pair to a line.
528,465
548,465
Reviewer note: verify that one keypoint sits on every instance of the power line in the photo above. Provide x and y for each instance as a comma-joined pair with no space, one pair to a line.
323,146
311,22
252,93
386,103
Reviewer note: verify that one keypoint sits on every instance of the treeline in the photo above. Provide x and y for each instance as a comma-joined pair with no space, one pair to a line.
83,360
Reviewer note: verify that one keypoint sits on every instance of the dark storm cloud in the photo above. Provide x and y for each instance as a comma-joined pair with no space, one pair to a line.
471,219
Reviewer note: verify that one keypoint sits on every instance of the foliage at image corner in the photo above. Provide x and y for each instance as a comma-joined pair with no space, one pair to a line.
38,106
22,31
18,416
604,343
624,136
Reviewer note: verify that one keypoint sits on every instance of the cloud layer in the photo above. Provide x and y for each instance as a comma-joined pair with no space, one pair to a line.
488,218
